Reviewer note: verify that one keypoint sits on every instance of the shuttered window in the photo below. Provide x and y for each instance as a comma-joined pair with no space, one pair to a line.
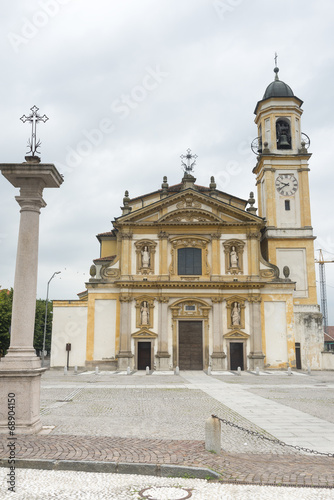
189,261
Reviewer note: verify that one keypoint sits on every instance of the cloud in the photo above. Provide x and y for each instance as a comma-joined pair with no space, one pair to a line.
88,55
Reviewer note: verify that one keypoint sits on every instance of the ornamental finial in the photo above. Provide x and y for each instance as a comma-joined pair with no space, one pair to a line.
189,166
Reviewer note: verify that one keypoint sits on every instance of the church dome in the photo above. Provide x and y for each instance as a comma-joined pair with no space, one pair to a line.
277,88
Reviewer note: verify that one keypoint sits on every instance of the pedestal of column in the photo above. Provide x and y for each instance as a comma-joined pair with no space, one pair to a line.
125,356
163,356
20,369
256,356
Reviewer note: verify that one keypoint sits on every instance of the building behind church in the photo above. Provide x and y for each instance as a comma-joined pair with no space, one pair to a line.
193,277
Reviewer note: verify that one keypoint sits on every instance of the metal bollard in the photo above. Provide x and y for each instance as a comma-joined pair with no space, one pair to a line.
239,371
147,370
96,370
209,370
65,370
75,370
308,369
128,370
257,371
177,371
289,371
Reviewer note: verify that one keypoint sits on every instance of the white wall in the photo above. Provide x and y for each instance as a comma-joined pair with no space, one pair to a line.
275,328
295,259
69,326
104,329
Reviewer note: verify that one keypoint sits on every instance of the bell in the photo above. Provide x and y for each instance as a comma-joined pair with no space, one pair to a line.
283,142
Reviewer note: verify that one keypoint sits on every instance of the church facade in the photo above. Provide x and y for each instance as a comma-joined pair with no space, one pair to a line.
193,277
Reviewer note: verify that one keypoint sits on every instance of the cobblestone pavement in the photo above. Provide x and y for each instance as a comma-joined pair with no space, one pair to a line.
159,419
50,485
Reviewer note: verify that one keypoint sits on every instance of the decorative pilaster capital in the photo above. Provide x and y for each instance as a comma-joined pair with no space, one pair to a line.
253,235
125,298
217,300
215,236
163,299
126,236
163,235
255,299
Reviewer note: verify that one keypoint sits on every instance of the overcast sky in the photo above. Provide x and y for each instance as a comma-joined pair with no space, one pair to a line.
128,86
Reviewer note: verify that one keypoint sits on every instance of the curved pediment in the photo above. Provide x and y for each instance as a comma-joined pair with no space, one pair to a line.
186,215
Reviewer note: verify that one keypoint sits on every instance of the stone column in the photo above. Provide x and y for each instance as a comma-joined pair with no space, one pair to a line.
163,354
218,355
20,369
125,356
256,357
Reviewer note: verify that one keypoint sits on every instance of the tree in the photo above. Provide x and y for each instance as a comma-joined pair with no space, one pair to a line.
6,300
39,325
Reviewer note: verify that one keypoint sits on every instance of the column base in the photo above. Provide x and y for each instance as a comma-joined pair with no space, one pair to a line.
18,358
256,360
163,361
218,361
125,359
22,386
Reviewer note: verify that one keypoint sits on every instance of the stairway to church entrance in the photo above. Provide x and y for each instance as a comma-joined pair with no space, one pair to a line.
236,355
190,345
144,355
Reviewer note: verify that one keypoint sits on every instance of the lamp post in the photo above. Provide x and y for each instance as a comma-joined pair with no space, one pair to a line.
46,313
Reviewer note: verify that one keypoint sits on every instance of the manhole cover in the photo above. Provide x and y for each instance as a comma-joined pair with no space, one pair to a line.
165,493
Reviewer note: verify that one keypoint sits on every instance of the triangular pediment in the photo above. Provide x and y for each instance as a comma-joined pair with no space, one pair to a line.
236,334
144,334
189,206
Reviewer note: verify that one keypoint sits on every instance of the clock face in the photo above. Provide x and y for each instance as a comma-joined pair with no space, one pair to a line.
286,184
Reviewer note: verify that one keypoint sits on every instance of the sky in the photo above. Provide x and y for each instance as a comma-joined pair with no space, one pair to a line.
129,86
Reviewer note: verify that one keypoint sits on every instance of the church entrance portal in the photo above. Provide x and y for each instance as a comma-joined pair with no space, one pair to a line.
144,355
190,345
236,355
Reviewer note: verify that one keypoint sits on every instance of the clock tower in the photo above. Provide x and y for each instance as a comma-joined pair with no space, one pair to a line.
283,193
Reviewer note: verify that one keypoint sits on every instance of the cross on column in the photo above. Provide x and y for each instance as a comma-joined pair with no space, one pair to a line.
34,118
188,167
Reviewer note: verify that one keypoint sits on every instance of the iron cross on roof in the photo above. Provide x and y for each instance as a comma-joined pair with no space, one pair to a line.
34,118
188,167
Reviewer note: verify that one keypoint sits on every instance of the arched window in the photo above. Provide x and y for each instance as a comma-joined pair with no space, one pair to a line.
283,134
189,261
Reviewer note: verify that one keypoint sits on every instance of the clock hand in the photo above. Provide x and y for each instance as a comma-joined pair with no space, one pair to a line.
284,183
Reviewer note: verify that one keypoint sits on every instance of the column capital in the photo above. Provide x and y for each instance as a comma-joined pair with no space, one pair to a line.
126,236
163,299
254,298
125,298
253,235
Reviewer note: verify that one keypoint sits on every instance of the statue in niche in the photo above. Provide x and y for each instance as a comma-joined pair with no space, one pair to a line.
236,314
144,314
145,257
234,258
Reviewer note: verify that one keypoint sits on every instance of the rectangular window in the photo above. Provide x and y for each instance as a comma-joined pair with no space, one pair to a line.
189,261
287,204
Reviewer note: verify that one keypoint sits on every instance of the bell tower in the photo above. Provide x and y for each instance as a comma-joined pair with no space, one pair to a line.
283,187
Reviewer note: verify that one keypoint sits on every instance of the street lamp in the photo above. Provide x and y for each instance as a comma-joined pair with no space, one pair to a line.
46,313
